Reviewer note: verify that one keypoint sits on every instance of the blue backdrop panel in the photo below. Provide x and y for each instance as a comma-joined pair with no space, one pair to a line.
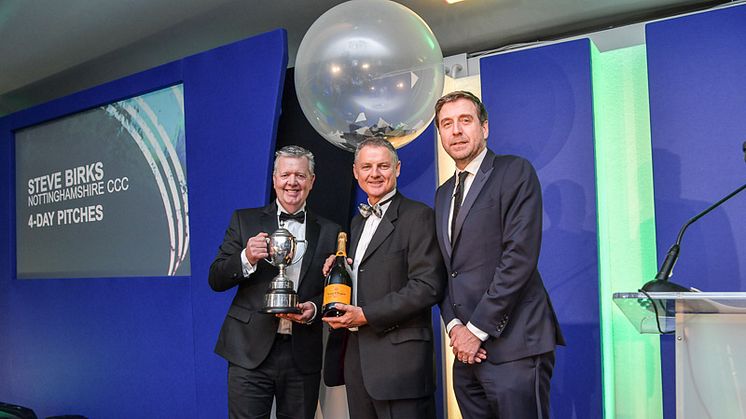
418,179
540,107
142,347
696,67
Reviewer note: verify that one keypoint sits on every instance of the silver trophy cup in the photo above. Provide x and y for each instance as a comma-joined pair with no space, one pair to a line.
281,296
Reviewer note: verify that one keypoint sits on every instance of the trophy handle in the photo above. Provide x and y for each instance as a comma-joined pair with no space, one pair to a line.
268,249
299,257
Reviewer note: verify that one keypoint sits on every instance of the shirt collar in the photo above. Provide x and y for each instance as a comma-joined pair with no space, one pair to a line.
280,208
386,197
475,164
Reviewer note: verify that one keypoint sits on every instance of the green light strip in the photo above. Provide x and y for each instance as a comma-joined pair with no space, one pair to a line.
626,229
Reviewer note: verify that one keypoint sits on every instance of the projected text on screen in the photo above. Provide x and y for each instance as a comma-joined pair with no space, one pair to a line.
103,193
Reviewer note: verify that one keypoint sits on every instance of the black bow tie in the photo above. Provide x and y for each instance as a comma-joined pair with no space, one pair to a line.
366,210
299,216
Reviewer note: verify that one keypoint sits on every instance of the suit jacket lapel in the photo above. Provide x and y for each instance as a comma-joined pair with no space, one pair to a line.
356,229
443,205
313,230
269,219
484,172
268,224
385,227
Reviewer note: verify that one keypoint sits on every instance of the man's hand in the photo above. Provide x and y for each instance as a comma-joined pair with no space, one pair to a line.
305,316
329,262
466,347
328,265
256,248
353,317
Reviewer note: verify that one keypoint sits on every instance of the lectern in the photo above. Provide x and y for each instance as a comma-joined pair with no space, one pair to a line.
710,332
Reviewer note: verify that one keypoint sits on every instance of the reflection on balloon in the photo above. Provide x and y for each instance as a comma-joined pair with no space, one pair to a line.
369,68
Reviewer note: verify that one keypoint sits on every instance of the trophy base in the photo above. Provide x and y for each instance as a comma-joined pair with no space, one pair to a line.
276,303
280,310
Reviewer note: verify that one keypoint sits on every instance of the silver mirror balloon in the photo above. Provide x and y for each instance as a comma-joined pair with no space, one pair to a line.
369,68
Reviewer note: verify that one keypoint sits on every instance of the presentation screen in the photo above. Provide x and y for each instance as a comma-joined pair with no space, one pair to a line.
103,192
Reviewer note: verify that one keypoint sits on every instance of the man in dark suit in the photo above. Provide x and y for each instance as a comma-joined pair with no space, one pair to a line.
398,275
274,356
498,315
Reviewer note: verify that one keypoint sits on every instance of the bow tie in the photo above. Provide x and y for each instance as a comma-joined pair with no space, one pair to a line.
366,210
299,216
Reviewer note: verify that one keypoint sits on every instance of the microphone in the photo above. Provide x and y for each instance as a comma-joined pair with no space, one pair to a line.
661,282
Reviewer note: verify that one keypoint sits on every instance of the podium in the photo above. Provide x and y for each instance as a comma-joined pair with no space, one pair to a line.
710,333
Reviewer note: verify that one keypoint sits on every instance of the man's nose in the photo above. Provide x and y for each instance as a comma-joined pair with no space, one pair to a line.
456,128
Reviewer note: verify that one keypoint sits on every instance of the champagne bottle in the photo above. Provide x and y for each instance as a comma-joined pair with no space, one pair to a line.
338,284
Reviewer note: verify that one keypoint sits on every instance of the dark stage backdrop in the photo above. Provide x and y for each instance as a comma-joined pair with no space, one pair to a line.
143,346
696,67
540,107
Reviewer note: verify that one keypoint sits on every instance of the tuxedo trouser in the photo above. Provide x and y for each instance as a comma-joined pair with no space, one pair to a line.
511,390
363,406
251,391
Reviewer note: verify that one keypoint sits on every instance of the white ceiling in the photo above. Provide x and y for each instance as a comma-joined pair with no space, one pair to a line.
50,48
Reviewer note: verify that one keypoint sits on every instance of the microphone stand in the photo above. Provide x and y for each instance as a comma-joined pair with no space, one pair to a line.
661,282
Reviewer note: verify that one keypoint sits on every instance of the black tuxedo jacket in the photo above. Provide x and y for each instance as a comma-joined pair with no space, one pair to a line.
247,334
494,282
400,277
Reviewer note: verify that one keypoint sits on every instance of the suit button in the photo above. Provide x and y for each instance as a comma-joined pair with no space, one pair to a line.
361,270
454,274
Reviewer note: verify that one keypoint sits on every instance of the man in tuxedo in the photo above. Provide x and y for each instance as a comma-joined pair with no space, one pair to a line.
398,274
274,356
501,324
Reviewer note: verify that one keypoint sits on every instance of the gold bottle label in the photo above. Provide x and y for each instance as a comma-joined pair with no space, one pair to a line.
337,293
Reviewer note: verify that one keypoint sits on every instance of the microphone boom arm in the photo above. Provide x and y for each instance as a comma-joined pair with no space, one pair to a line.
661,283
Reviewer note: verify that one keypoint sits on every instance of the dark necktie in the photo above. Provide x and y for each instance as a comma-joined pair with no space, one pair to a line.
366,210
458,196
299,216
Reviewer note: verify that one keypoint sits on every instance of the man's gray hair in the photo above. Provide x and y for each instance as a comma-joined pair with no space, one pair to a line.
295,152
377,142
